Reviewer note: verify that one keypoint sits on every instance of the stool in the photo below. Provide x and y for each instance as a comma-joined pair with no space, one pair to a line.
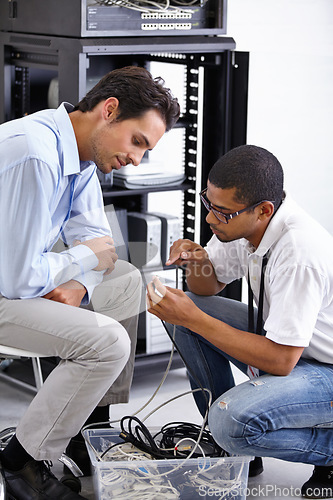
15,353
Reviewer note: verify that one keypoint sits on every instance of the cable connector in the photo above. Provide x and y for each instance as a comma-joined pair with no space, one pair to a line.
184,448
127,437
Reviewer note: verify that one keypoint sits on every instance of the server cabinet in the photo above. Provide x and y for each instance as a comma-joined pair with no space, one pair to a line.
94,18
213,118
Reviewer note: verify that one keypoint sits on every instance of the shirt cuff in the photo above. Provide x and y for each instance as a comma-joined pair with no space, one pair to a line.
90,280
84,256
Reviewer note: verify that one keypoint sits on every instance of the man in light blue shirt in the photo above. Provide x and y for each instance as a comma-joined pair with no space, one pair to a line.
41,189
49,190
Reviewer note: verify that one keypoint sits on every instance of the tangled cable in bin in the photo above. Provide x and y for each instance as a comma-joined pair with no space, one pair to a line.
174,440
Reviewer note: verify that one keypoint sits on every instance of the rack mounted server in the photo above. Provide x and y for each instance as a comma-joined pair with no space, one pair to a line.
88,18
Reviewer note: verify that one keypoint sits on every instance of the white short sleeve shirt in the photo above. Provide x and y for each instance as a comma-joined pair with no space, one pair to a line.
298,300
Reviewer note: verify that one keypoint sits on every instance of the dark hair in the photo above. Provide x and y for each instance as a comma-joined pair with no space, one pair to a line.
137,92
255,173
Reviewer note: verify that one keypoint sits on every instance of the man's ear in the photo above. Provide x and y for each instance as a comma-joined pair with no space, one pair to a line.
266,210
110,108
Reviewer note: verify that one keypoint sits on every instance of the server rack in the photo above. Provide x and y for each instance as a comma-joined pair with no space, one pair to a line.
213,70
100,18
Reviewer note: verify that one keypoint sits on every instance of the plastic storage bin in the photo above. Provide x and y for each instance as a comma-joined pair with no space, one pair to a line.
197,478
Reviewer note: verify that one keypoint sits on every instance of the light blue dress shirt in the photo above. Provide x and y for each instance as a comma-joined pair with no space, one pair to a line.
46,193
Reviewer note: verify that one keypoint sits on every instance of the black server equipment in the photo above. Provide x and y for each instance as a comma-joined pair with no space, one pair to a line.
102,18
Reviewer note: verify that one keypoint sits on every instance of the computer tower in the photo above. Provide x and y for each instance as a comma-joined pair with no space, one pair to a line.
171,231
144,240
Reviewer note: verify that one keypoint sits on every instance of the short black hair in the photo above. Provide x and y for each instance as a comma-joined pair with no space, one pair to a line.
256,174
137,92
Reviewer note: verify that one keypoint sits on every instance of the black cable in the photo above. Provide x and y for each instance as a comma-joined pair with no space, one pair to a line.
173,432
163,444
140,437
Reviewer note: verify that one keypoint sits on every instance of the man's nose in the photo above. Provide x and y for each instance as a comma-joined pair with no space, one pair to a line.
136,158
211,218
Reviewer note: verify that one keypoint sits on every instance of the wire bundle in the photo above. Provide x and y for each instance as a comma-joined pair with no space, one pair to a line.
175,432
174,440
153,5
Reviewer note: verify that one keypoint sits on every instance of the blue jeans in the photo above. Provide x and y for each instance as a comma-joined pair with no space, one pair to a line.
286,417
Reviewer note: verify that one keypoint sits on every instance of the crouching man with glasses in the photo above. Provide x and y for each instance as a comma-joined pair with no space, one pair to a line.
284,343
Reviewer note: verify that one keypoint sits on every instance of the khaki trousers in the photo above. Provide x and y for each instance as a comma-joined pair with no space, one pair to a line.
96,347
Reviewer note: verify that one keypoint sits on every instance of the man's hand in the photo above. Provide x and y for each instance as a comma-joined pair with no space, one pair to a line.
185,251
70,293
104,250
200,274
170,304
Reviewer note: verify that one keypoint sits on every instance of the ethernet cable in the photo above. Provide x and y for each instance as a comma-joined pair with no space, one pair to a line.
146,485
150,6
196,446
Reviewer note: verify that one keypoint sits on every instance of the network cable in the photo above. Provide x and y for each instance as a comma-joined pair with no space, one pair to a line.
147,6
166,443
141,437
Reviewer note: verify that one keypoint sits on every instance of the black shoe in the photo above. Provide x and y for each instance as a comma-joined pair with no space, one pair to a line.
320,484
255,467
77,451
35,482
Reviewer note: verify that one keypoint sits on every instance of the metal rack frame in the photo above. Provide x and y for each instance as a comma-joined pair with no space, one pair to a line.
224,95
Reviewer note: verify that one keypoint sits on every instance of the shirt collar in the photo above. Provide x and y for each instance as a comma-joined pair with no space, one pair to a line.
276,226
71,160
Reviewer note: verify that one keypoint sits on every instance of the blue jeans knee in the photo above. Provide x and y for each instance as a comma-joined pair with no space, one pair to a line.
228,423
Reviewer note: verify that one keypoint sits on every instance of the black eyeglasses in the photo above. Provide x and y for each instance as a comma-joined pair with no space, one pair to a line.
220,215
